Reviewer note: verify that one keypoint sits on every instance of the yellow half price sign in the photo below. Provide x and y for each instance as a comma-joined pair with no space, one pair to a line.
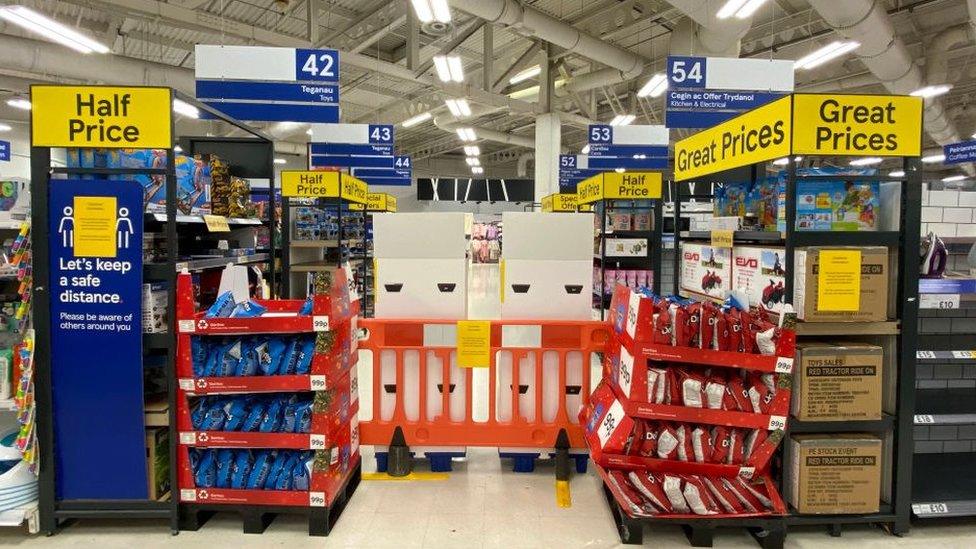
474,343
619,186
722,238
101,116
839,280
216,223
309,184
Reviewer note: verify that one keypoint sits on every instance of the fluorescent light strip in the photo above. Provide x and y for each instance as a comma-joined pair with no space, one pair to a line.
5,127
897,173
280,161
449,68
522,76
655,86
458,107
19,103
472,161
953,178
51,29
932,91
472,150
730,8
186,109
466,134
869,161
442,12
414,120
749,9
423,11
585,149
933,158
827,53
477,170
622,120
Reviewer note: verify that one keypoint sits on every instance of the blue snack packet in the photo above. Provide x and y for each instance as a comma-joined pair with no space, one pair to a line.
200,351
204,470
289,415
255,416
260,469
306,307
305,352
290,360
276,469
214,417
302,471
272,416
223,307
230,356
303,417
225,467
199,411
284,480
236,410
271,358
248,365
248,309
242,468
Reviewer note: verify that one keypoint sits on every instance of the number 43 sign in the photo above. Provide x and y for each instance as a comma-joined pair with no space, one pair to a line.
317,65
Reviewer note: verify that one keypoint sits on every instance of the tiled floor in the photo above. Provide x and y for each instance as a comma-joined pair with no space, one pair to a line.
482,504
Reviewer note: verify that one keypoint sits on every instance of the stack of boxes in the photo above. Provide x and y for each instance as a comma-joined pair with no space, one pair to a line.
949,212
547,267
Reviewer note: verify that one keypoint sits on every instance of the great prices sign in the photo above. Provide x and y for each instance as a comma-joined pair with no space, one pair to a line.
846,125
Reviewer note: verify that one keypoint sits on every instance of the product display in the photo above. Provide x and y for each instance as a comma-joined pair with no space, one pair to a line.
706,271
759,275
486,242
835,474
856,293
837,381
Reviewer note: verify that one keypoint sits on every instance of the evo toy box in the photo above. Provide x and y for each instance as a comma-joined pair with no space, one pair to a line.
706,270
838,293
837,382
835,474
760,274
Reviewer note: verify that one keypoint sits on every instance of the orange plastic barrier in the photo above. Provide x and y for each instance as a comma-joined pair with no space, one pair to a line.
551,361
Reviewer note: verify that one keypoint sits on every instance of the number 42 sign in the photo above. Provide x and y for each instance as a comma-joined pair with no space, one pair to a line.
317,65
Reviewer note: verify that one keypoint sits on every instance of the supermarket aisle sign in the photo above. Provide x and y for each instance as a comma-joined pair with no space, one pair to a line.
848,125
562,202
704,91
323,184
627,186
377,202
5,151
957,153
268,83
101,116
95,238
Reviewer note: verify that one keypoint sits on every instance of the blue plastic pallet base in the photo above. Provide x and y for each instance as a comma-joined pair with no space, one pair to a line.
440,462
521,463
580,459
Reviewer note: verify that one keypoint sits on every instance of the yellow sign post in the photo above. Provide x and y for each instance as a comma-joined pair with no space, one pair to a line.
619,186
102,117
474,343
323,184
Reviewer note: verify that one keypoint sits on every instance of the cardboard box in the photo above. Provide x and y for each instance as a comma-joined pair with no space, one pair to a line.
872,302
532,235
157,462
422,288
706,271
835,474
547,289
837,205
759,273
419,235
837,382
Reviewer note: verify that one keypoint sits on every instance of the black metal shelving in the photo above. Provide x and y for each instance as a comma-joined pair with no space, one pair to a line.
901,329
53,512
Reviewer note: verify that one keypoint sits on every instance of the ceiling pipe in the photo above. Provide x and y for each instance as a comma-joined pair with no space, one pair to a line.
886,56
530,22
937,52
705,34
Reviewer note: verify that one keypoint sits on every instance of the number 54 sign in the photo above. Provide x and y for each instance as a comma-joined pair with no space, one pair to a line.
317,65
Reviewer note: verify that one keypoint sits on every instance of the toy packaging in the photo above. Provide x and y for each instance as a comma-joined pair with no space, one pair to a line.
837,206
759,274
706,271
193,185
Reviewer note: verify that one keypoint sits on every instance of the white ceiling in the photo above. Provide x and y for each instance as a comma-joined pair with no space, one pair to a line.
782,29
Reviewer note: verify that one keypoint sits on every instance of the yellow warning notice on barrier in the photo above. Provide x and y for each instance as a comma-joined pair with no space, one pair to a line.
94,226
474,343
722,238
839,280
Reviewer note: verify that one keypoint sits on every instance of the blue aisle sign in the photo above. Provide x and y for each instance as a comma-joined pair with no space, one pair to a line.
354,146
269,84
95,238
704,91
957,153
638,147
574,168
400,176
5,151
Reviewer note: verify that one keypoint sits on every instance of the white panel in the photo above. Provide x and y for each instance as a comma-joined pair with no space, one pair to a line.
419,235
583,162
640,135
440,335
727,73
245,63
521,335
534,235
340,133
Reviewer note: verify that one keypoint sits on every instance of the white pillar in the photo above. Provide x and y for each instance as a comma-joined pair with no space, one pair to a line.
548,142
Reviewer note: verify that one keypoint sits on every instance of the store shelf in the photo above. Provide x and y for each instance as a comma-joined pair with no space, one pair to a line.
108,171
949,285
847,328
155,342
11,225
314,244
117,509
884,514
709,357
161,270
8,405
941,402
943,485
846,238
161,217
886,423
945,419
738,236
313,266
945,357
234,439
251,384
